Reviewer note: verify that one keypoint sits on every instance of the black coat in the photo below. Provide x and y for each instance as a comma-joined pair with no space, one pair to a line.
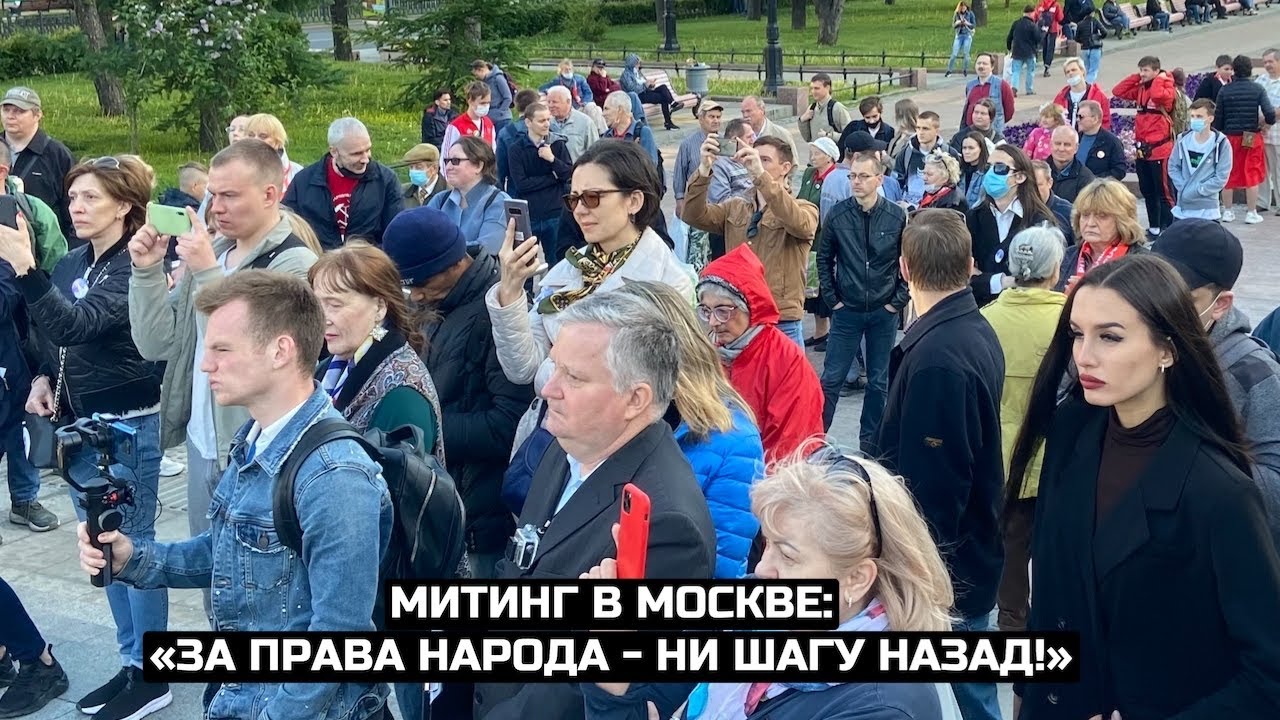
941,432
1071,258
16,384
1106,157
990,251
542,183
884,131
1068,182
434,122
1024,38
104,371
858,256
1175,594
42,165
1239,104
1209,88
682,544
481,407
375,201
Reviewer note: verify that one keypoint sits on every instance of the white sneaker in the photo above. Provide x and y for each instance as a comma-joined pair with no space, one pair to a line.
1228,215
170,468
1253,218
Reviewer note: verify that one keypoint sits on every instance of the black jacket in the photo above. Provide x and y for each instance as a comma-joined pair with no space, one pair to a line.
376,200
1174,594
952,199
42,165
1071,258
1090,33
481,407
990,251
16,384
912,159
1239,103
1068,182
1024,38
884,131
682,544
1106,157
540,182
1209,88
1078,11
941,432
104,371
434,122
858,256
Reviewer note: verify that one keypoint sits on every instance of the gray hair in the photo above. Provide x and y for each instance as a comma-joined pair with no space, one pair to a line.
562,91
618,100
1035,253
1066,130
643,348
344,127
718,289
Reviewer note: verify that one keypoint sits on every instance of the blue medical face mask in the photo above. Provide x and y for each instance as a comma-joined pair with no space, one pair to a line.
1197,124
996,184
418,177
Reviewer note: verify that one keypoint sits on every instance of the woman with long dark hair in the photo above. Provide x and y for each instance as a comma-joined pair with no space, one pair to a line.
1150,536
1012,204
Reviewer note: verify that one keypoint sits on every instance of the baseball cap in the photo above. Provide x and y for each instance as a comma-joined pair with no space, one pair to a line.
827,147
861,141
709,105
1202,251
23,97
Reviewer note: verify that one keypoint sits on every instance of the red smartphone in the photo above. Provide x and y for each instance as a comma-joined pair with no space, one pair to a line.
633,533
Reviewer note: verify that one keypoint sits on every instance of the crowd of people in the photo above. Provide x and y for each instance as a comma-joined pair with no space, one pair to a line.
1057,405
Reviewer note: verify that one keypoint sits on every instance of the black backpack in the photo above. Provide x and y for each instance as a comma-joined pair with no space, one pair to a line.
831,114
428,534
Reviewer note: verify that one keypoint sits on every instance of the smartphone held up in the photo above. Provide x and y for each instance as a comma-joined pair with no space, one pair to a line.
518,210
633,533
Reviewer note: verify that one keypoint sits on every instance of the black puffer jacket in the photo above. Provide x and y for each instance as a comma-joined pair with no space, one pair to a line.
481,407
104,372
858,256
1238,104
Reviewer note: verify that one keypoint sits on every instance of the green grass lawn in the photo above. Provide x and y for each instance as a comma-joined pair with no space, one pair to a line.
868,27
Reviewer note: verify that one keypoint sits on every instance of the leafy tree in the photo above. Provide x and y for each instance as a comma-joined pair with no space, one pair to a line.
95,22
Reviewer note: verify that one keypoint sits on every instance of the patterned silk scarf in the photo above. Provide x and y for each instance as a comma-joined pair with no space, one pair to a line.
595,265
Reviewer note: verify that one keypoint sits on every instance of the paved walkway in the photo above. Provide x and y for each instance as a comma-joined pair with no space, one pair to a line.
73,614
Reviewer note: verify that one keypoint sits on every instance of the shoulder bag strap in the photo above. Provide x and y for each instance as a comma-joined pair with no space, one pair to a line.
284,511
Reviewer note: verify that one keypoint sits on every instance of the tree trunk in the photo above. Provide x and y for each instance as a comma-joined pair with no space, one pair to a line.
799,14
980,12
211,128
754,9
340,18
473,31
829,14
91,21
659,9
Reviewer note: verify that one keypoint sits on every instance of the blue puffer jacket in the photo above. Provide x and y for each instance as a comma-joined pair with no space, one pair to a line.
727,464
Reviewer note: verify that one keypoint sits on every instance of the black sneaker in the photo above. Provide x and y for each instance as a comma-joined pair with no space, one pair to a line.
93,702
8,671
33,688
137,700
810,342
33,515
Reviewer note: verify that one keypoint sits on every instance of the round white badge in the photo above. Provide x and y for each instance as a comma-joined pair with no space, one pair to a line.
1000,255
79,288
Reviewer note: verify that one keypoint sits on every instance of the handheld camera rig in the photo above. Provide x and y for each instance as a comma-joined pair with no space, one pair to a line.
115,443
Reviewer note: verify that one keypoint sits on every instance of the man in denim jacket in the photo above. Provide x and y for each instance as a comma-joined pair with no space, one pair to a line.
264,332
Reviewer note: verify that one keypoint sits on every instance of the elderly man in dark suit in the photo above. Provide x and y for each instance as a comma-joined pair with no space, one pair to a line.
616,362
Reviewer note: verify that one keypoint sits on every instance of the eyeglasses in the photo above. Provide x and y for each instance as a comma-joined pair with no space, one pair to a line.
454,161
590,198
1000,168
754,228
863,177
830,456
722,313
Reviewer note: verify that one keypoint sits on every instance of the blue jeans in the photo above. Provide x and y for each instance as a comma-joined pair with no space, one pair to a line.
793,329
1162,20
19,635
134,611
548,233
977,701
848,328
1092,63
410,696
961,44
24,479
1019,67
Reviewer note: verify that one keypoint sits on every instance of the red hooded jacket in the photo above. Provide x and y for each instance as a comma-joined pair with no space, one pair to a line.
1055,12
1093,91
1154,125
772,373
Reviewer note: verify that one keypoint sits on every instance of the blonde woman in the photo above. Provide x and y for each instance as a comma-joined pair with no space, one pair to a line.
905,115
824,516
268,128
1105,221
303,230
715,429
941,174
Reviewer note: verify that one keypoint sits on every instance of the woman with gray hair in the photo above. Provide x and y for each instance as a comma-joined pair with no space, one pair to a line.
1024,318
941,175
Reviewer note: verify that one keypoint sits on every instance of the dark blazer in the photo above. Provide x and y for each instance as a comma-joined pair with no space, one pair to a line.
990,251
43,165
941,432
1175,593
1068,182
682,544
1106,157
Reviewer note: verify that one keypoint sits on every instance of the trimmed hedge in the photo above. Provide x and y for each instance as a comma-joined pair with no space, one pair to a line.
634,12
26,53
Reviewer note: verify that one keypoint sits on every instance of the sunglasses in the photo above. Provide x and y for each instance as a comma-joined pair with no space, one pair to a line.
107,163
454,161
754,228
830,456
721,313
590,198
1000,168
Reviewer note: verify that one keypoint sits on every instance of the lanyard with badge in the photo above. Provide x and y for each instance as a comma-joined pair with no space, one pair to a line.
81,285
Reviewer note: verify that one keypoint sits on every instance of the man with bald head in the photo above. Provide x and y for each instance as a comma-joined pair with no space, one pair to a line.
1069,174
754,113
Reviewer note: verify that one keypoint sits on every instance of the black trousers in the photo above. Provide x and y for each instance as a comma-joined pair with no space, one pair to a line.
1153,183
660,95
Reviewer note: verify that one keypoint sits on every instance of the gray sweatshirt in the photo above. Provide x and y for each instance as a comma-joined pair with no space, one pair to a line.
1253,381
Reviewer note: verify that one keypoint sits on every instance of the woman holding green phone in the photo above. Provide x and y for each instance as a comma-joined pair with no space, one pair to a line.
89,364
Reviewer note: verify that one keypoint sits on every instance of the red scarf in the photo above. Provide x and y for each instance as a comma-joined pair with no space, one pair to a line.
931,198
467,126
1114,251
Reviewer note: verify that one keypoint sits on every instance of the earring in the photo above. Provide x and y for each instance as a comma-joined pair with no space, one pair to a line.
631,217
378,332
1162,367
848,601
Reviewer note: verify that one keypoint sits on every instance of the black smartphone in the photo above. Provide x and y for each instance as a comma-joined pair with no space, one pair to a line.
728,146
519,211
9,211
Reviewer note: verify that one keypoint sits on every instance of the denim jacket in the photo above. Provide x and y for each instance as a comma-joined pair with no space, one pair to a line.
260,585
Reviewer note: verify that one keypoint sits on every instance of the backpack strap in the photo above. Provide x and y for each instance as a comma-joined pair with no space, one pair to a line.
284,510
263,261
493,195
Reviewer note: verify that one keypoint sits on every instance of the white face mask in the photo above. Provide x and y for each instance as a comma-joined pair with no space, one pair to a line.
567,75
1208,311
1075,80
482,110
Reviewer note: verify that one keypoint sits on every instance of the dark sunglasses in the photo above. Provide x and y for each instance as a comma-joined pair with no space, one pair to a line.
754,228
1000,168
455,161
590,198
107,163
830,456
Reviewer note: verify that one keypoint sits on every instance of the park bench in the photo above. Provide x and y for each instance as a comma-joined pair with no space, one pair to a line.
1232,7
1136,19
660,77
1176,14
44,6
